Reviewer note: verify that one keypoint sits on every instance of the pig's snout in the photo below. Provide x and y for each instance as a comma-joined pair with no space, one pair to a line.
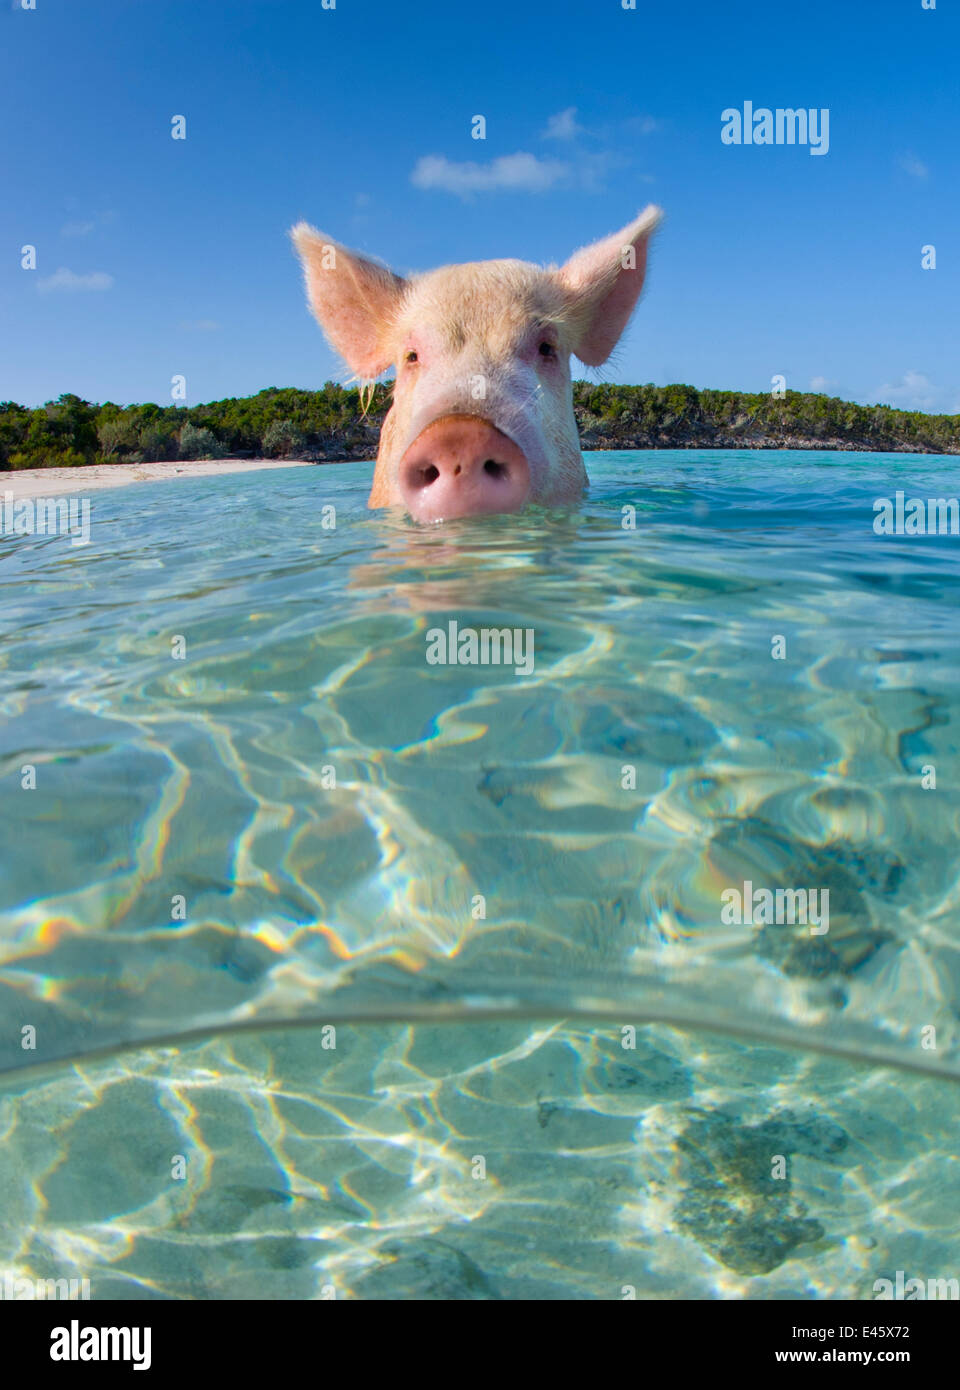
462,465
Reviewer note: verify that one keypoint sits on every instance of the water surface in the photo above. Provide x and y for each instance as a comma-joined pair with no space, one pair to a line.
304,822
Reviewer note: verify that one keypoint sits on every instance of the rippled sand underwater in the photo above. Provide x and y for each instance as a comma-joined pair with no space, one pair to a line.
480,880
479,1161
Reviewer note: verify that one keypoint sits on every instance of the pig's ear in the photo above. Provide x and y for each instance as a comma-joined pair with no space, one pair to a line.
602,284
354,299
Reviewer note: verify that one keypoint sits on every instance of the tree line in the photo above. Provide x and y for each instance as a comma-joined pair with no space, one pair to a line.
333,424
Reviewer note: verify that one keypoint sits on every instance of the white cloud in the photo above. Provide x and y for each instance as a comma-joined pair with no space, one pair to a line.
64,279
914,392
83,226
563,126
591,157
821,383
521,172
914,166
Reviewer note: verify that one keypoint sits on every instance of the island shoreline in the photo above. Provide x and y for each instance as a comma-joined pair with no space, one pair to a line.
96,477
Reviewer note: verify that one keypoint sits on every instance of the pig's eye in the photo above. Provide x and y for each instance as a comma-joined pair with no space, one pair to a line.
410,356
547,350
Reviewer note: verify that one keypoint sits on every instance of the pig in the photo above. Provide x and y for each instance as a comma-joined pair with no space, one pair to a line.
482,417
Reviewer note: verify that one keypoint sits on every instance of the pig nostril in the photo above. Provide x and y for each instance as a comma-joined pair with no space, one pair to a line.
423,477
494,469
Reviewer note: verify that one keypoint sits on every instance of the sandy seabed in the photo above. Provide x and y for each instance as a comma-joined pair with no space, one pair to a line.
49,482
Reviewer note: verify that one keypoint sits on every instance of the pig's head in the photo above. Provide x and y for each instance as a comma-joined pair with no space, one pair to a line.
482,416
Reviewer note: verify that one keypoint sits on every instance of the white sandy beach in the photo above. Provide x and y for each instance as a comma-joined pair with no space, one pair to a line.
54,482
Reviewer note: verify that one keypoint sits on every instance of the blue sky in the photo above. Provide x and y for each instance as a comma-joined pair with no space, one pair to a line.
159,257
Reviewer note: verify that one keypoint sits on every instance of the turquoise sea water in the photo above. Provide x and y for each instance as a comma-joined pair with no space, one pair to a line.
328,971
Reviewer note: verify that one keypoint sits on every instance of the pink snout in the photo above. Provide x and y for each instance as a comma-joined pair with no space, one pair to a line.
462,466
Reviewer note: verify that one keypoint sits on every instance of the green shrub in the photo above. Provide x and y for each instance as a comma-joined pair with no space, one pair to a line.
155,444
282,439
200,444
